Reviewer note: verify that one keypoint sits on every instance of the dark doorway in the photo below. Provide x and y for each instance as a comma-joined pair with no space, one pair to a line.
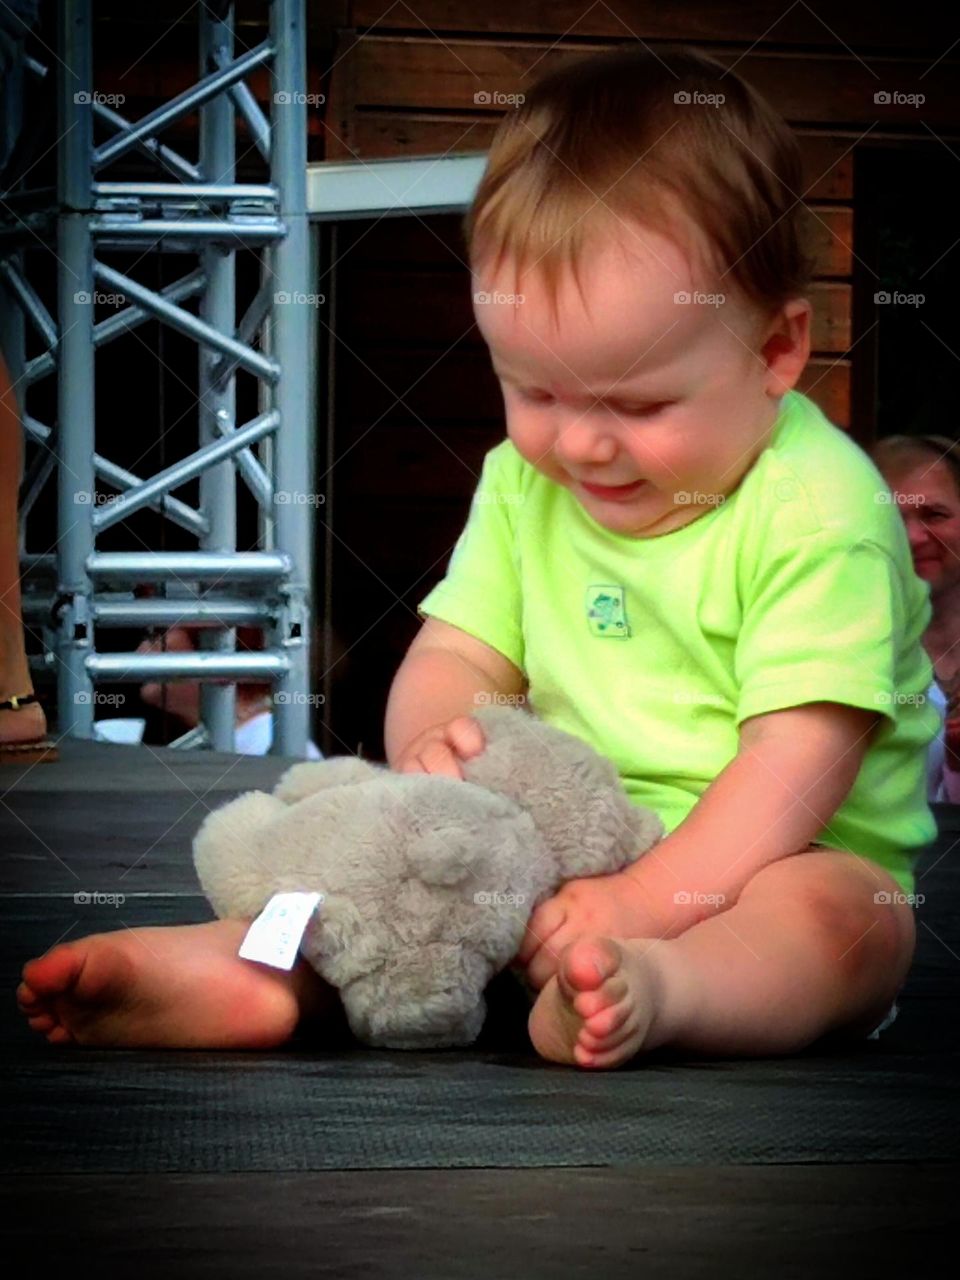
906,354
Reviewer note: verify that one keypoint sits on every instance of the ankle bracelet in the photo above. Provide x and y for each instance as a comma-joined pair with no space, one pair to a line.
14,704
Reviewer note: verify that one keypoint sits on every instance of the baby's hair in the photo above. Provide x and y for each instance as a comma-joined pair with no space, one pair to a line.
898,453
603,139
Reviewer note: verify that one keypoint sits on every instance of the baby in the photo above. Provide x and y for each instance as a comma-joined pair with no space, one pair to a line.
677,557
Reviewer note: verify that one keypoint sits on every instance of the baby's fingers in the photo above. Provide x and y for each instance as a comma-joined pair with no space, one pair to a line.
465,736
434,757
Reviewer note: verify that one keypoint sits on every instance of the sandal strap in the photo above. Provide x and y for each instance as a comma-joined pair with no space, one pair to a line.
14,704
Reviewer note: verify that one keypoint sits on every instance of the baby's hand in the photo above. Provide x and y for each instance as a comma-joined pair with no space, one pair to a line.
595,906
440,748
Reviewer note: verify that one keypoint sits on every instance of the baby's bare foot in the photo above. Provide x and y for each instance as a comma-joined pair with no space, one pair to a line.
606,1002
181,987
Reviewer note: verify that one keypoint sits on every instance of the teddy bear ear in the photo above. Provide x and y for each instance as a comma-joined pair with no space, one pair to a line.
573,793
231,864
311,776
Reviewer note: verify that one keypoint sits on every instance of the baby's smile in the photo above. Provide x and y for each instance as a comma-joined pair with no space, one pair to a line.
614,493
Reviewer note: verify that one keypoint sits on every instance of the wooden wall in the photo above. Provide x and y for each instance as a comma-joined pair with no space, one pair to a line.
416,405
413,404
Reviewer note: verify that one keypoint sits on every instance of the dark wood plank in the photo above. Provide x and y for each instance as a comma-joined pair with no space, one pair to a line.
828,233
827,383
824,88
766,22
827,157
471,1224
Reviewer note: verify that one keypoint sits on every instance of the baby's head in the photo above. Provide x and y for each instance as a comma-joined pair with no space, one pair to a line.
638,275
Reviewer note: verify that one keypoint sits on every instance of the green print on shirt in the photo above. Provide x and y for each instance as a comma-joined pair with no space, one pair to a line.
606,611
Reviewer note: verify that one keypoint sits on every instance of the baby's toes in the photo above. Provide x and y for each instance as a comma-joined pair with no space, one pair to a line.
606,1021
589,1004
41,1013
27,1000
42,1022
601,1058
625,1034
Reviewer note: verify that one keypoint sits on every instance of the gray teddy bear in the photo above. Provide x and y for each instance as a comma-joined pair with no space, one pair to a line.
428,882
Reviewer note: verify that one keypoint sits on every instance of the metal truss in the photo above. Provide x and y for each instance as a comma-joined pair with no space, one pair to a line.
198,211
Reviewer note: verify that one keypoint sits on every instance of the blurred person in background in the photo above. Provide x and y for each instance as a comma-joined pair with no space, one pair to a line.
181,698
23,725
923,473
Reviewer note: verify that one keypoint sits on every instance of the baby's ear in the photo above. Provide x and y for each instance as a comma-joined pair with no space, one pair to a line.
306,779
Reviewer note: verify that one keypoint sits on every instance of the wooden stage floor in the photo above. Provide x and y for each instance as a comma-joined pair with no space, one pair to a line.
340,1161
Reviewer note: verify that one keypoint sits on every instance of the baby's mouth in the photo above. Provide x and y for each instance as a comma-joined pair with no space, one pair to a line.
613,493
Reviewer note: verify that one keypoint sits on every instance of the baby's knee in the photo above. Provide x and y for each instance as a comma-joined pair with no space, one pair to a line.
851,906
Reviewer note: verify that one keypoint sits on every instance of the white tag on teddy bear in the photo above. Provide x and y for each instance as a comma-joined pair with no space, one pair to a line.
274,937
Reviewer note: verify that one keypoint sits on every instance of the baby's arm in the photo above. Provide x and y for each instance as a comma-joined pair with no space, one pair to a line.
435,688
792,772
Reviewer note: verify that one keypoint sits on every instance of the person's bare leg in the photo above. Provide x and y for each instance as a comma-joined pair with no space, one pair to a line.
807,949
29,723
181,986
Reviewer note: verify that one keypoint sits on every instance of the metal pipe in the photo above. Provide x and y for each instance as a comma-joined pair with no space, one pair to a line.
205,89
249,108
30,302
257,480
184,322
217,405
257,122
37,476
172,477
246,230
75,388
123,480
31,562
39,430
193,665
187,566
156,150
124,321
175,510
179,191
293,442
252,319
132,611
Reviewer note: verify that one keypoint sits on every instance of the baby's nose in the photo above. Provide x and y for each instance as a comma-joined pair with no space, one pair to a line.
581,443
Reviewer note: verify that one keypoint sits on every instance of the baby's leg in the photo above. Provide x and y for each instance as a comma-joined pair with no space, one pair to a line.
180,987
806,949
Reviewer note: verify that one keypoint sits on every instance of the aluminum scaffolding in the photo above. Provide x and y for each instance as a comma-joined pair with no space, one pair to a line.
198,210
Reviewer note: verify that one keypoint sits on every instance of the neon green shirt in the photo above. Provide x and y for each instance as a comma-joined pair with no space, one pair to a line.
798,588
